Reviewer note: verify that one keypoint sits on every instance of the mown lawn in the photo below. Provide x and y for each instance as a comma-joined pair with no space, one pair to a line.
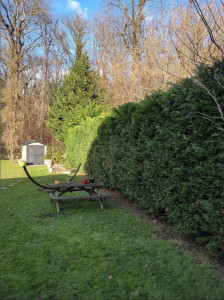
86,253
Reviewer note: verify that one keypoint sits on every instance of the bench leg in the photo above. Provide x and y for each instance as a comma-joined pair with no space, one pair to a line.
57,203
101,200
57,206
51,195
101,204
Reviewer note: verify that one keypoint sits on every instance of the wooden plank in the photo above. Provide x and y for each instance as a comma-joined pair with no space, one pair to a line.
101,204
62,192
97,185
79,198
57,206
57,203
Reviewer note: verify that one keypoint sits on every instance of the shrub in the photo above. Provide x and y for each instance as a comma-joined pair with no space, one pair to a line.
58,156
168,157
54,153
80,139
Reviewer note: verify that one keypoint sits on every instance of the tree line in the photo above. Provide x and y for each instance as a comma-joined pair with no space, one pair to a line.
131,48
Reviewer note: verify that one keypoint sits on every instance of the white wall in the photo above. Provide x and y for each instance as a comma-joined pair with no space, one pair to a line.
24,153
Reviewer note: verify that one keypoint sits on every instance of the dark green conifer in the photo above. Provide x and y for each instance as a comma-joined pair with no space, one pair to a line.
78,97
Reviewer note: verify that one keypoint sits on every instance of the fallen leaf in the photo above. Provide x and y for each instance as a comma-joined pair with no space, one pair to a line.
136,293
146,265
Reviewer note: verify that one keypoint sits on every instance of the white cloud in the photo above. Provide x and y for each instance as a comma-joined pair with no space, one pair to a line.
75,5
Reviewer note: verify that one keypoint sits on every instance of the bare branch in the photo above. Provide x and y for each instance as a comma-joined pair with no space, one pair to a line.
213,97
200,13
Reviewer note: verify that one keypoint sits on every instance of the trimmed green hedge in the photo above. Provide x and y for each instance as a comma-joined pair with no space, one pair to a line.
168,156
80,139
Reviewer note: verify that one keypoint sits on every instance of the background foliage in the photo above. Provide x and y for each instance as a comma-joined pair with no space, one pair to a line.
166,153
132,54
80,138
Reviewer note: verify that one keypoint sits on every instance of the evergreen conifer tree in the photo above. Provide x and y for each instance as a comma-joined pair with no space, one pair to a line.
78,97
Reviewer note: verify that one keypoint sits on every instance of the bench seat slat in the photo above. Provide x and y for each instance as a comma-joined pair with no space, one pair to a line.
79,198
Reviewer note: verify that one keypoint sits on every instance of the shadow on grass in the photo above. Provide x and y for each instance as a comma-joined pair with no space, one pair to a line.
86,253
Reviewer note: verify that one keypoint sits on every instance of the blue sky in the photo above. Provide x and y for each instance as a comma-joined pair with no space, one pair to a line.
87,7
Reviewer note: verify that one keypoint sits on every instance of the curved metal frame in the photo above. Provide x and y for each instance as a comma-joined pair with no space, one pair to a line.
45,187
75,172
27,173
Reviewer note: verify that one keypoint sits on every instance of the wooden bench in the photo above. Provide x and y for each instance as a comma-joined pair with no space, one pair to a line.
55,191
93,190
95,197
90,198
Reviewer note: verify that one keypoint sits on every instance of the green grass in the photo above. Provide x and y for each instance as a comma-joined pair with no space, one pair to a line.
86,253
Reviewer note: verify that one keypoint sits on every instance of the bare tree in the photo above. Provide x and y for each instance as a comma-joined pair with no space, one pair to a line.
201,43
77,27
48,28
19,31
130,23
119,36
212,20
